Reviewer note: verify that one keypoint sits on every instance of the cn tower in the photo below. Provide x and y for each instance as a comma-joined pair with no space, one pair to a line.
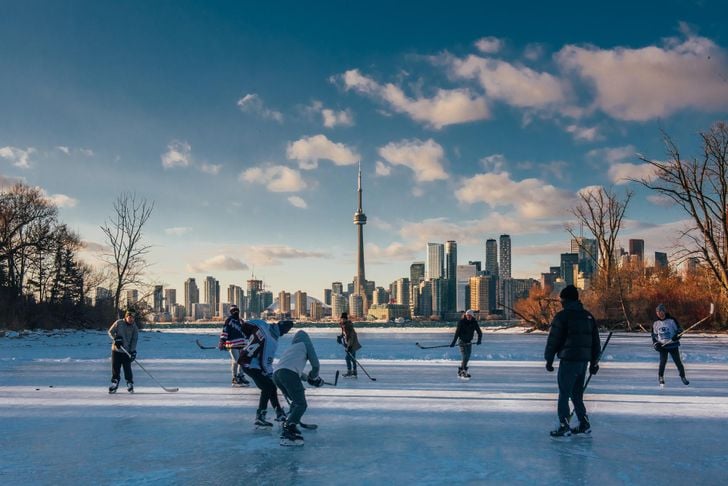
360,219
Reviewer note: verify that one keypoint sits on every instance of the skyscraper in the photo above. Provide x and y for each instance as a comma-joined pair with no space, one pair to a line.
284,302
435,264
192,295
451,263
212,294
660,260
301,299
588,253
360,220
480,288
491,257
417,273
254,304
170,299
402,292
568,261
158,298
337,288
464,273
505,257
637,247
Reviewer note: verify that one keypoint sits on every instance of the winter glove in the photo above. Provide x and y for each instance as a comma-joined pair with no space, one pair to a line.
317,382
339,339
221,345
549,366
657,346
118,341
676,337
133,355
593,369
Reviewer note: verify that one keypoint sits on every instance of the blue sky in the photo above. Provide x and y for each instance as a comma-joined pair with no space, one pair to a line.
244,123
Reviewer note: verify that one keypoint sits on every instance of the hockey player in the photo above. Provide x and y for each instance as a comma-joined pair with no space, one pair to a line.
467,327
666,340
574,336
124,333
233,340
349,339
288,376
257,361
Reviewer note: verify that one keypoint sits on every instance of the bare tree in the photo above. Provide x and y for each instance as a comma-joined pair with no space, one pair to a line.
700,187
127,250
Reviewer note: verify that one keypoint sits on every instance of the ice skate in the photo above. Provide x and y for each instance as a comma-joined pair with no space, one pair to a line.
583,429
291,436
662,382
130,386
562,431
260,421
684,380
114,386
281,415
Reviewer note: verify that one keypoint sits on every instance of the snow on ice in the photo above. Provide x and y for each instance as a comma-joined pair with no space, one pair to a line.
417,424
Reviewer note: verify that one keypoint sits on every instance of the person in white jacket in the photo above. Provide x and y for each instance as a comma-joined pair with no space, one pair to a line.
288,377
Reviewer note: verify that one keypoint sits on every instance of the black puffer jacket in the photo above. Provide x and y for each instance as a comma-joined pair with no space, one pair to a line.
574,335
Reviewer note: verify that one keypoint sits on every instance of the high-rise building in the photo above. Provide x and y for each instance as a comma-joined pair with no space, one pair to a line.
451,263
380,296
661,260
212,293
569,267
236,295
103,296
438,289
301,300
158,298
477,264
588,252
170,299
327,296
464,273
491,257
402,292
435,267
515,289
356,306
337,288
637,247
254,306
192,296
417,273
504,266
339,304
316,311
424,303
266,299
555,271
360,220
480,293
132,297
284,302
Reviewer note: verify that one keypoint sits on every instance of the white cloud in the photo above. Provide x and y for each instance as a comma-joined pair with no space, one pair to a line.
489,45
62,201
274,254
379,223
87,152
309,150
178,154
516,85
653,81
621,172
252,103
588,134
218,263
333,118
298,202
382,169
612,155
177,230
660,200
494,163
276,178
213,169
396,251
18,157
446,107
531,198
533,51
64,149
425,159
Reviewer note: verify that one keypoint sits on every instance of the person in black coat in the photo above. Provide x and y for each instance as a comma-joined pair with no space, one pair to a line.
467,327
574,337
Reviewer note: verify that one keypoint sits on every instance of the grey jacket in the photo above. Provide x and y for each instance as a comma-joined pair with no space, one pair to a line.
128,332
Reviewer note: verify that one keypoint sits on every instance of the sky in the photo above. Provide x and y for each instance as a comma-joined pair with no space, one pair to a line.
244,123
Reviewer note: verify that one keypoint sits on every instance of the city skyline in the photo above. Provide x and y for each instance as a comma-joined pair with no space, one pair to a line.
244,124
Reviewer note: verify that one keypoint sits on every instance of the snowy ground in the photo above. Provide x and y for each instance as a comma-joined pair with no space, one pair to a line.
416,424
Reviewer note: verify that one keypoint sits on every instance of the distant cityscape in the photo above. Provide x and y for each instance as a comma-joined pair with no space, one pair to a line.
437,288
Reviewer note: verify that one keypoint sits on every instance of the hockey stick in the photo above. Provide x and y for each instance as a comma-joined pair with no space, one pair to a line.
359,365
168,390
202,346
431,347
712,309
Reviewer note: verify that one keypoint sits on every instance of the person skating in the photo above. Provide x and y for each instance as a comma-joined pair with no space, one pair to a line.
466,329
124,333
288,376
232,340
349,339
666,340
574,337
257,362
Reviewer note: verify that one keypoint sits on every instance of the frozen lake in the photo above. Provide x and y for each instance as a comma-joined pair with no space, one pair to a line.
416,424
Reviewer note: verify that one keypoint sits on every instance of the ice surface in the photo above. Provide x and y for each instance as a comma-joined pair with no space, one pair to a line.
417,424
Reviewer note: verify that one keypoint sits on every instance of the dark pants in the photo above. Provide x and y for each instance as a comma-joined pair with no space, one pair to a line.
465,350
675,353
290,385
571,385
268,392
351,361
119,359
